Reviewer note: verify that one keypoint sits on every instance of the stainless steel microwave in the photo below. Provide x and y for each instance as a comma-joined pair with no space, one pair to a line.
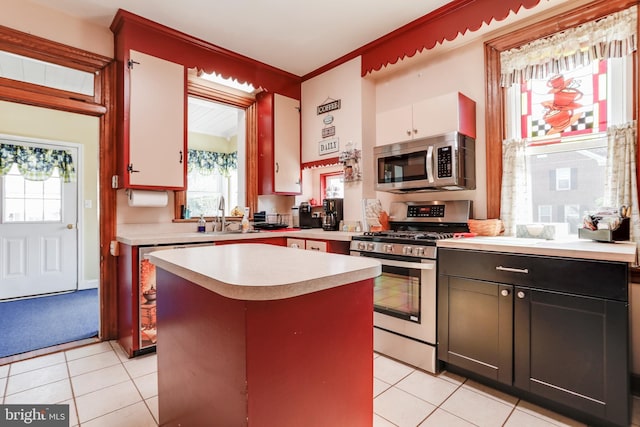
438,163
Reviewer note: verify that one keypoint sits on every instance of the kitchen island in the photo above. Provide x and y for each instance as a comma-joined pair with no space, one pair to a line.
260,335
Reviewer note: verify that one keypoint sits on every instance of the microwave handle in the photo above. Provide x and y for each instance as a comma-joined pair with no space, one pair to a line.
430,164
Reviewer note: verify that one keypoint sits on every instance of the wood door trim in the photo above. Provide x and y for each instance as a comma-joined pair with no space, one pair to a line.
101,105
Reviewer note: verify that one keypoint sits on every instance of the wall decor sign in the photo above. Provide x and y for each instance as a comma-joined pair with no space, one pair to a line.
329,106
328,119
328,146
328,131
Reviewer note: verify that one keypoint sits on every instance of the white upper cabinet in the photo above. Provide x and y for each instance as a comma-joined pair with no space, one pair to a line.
156,146
394,125
278,144
452,112
286,116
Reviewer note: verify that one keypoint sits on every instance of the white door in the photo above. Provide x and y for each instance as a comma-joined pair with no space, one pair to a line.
38,231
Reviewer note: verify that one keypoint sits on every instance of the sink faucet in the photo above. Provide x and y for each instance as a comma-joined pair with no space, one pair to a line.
221,209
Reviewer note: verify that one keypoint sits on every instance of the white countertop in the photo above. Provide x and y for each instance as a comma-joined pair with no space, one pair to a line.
146,237
571,248
264,272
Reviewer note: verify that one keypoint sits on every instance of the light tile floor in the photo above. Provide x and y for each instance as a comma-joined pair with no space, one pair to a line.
105,388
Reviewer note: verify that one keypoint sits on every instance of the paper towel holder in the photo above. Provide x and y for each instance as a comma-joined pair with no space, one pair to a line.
146,198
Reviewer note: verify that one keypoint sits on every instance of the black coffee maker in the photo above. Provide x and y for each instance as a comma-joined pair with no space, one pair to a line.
332,214
306,218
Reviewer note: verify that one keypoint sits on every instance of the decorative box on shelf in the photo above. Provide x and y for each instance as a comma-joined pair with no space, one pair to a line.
350,160
619,234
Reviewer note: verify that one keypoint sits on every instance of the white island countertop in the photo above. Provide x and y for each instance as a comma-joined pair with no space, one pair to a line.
569,248
262,272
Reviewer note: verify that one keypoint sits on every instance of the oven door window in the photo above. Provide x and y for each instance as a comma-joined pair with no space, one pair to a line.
402,168
396,292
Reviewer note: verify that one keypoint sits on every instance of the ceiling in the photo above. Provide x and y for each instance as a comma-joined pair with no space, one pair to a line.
298,36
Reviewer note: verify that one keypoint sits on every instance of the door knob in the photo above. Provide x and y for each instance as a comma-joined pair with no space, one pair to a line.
70,226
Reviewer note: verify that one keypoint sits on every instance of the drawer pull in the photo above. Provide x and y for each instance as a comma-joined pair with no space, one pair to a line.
504,293
521,294
513,270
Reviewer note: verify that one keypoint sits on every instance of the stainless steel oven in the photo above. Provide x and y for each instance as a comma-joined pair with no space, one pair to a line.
405,300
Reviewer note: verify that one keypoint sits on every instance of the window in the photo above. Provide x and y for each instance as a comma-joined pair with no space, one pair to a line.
31,179
332,185
545,213
213,163
31,201
498,96
559,110
30,70
562,178
563,120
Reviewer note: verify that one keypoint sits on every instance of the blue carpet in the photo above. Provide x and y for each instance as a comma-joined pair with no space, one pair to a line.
36,323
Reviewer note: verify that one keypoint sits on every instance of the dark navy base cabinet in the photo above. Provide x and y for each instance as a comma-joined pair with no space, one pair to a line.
548,327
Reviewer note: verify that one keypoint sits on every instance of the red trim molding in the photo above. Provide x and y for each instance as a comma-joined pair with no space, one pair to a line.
138,33
444,23
324,162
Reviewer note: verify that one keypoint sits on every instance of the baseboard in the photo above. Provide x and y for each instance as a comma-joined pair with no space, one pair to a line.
88,284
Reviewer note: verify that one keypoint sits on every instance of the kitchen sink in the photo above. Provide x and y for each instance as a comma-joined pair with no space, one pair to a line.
223,233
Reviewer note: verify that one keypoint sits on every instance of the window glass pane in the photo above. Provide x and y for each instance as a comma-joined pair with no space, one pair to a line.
565,185
52,210
203,194
29,70
335,187
52,188
33,189
34,209
13,210
569,104
13,185
213,129
31,201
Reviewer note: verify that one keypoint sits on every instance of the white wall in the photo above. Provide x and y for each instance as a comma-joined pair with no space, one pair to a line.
344,83
50,24
53,125
432,74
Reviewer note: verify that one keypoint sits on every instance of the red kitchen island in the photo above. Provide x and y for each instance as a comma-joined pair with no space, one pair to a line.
264,336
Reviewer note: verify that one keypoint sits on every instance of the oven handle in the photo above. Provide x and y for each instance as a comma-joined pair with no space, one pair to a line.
429,265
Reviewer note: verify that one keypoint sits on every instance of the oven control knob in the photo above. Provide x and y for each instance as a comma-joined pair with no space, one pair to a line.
418,251
370,246
361,246
407,250
388,248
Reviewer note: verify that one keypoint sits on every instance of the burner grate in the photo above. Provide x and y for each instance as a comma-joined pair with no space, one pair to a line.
411,235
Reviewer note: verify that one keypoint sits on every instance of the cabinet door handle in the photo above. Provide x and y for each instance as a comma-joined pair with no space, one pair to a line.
408,132
180,156
277,167
520,294
504,293
513,270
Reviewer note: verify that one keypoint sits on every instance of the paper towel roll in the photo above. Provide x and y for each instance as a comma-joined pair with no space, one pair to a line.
148,199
